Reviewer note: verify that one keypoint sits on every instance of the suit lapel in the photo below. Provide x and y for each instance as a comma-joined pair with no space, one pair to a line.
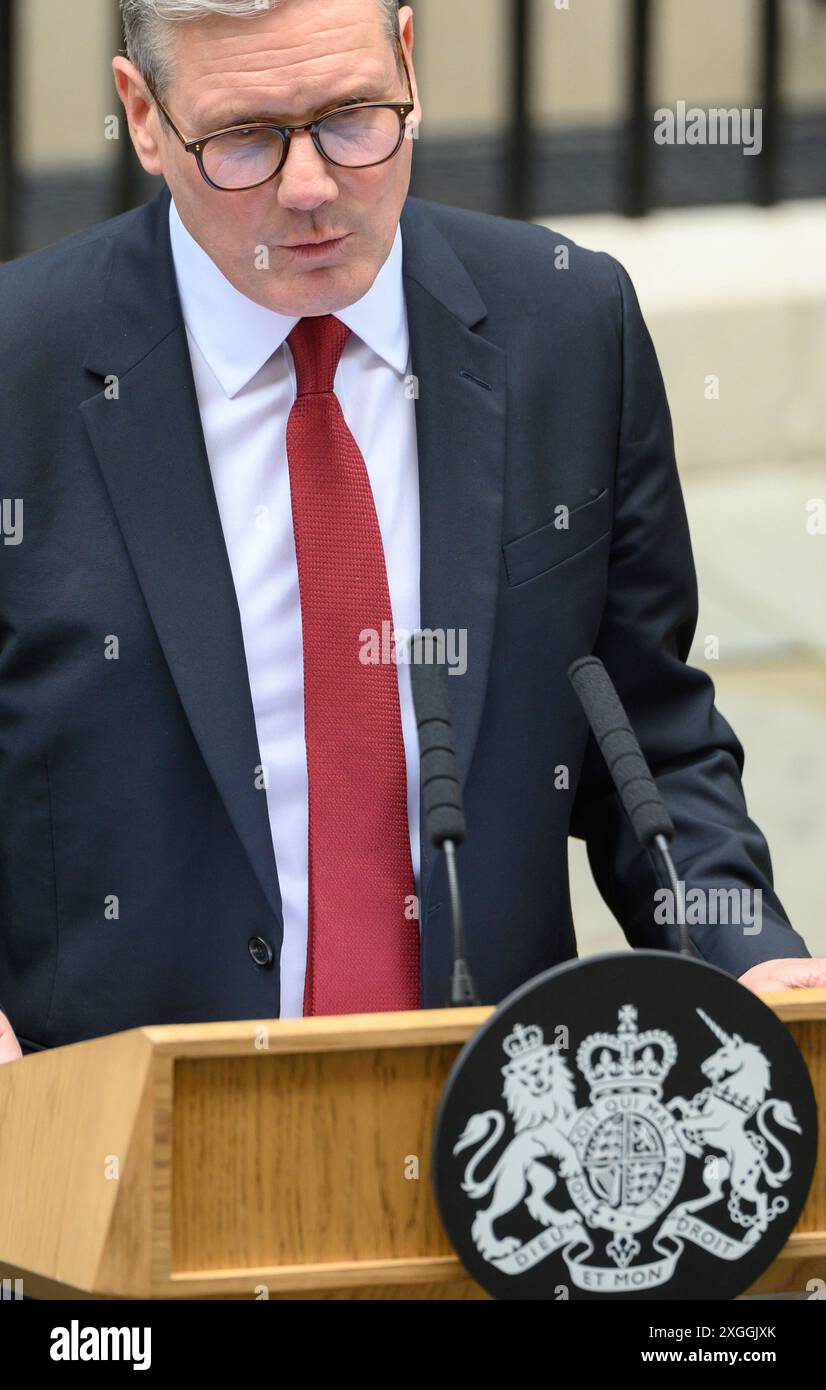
150,447
460,421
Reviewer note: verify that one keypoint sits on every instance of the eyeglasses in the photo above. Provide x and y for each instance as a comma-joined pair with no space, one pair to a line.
352,137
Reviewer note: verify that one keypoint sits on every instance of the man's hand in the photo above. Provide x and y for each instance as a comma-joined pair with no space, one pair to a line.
786,974
9,1046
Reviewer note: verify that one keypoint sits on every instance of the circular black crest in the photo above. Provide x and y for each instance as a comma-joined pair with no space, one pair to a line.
634,1125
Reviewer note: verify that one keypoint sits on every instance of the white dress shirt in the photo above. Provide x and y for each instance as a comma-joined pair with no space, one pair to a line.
245,383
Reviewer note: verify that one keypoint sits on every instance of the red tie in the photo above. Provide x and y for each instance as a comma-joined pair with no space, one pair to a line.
363,942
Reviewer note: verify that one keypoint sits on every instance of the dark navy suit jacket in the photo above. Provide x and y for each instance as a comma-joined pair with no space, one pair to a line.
134,778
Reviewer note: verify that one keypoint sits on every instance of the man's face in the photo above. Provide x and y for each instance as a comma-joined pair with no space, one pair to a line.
289,65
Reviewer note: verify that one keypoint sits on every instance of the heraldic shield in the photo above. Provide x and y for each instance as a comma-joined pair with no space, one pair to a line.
636,1125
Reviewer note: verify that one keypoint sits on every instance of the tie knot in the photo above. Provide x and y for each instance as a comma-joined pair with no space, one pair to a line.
316,345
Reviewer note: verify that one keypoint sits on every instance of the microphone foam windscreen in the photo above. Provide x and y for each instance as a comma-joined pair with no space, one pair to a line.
622,753
441,790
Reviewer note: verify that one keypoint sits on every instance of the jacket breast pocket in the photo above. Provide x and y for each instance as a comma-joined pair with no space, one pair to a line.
551,545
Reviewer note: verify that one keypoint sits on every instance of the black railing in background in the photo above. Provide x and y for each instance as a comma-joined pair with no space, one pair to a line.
766,171
8,181
127,188
637,200
522,171
519,154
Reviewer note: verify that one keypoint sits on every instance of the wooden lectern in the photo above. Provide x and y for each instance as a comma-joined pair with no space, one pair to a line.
219,1160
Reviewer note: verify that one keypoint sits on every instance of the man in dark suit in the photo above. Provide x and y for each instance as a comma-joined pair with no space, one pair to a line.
246,430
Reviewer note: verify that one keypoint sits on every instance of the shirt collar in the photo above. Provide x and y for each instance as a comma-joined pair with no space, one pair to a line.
237,337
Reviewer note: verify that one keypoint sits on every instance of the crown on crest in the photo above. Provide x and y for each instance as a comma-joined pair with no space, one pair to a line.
627,1060
523,1040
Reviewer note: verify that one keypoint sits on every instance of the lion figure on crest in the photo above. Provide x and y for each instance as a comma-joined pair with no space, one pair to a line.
540,1097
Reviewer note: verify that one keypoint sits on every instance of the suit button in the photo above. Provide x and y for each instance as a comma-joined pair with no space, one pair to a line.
260,950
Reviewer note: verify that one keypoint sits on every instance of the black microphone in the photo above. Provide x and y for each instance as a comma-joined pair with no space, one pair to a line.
441,792
631,774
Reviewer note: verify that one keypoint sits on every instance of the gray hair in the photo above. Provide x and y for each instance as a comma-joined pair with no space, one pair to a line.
145,27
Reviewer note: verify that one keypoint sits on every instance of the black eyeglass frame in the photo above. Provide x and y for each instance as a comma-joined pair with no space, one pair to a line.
403,110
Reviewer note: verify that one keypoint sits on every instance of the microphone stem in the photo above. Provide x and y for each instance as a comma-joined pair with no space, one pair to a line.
462,989
449,848
686,948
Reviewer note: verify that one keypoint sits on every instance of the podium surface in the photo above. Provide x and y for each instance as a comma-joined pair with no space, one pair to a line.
288,1159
